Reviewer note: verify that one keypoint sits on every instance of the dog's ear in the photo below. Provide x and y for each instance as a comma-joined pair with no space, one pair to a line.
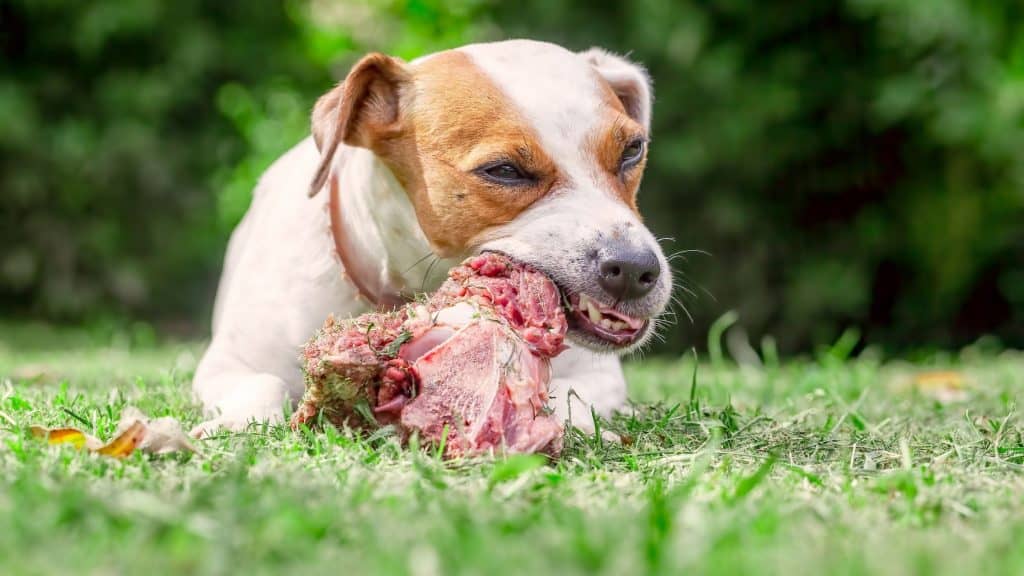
360,111
628,80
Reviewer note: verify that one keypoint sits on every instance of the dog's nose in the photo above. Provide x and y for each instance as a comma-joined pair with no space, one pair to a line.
627,273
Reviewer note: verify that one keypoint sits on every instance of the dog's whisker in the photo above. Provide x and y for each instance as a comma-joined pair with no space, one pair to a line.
686,311
682,286
417,262
426,275
677,255
709,294
688,315
681,290
681,254
676,301
680,282
669,321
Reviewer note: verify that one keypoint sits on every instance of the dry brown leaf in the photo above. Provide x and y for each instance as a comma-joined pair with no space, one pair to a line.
72,436
134,431
163,435
943,385
125,443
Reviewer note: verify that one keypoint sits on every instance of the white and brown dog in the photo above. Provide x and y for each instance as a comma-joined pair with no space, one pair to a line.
517,147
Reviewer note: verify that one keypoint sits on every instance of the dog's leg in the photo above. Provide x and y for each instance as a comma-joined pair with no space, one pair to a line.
583,381
235,394
248,398
281,280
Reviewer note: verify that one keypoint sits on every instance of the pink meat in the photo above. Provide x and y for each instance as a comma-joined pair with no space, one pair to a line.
470,366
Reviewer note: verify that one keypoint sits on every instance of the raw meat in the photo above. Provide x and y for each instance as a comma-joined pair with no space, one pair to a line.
470,365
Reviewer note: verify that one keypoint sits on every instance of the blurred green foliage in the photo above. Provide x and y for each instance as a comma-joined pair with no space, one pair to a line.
845,163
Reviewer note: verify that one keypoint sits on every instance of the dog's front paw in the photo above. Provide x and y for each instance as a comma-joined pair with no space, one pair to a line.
228,423
255,399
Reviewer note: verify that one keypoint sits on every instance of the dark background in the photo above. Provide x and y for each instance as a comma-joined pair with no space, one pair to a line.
845,164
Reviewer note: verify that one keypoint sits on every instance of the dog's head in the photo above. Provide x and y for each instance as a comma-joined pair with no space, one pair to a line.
523,148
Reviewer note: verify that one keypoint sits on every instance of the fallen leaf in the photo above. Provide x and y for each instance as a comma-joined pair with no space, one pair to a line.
135,431
125,443
163,435
943,385
72,436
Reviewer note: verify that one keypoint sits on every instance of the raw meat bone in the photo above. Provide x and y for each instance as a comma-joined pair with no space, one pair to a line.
471,365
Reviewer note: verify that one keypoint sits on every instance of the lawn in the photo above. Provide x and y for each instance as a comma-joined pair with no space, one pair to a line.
826,465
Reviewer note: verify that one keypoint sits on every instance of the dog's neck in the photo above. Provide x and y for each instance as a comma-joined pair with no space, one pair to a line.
380,239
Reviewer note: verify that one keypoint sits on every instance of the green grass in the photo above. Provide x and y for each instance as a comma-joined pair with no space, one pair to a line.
826,466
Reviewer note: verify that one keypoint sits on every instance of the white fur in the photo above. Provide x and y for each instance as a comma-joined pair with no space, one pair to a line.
556,233
282,278
627,79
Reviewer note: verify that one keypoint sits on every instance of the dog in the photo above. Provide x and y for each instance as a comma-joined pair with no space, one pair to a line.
518,147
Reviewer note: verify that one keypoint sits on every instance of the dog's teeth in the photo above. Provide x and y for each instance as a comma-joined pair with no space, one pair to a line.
618,325
606,323
588,306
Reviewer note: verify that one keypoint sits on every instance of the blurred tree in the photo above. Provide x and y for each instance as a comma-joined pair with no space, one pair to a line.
134,133
846,163
111,134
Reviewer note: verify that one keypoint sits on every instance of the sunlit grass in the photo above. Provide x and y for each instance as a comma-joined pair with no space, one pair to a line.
818,466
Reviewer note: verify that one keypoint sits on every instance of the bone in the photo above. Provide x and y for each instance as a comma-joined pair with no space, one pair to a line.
470,367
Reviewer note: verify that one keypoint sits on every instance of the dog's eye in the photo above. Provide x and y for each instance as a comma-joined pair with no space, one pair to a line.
504,173
632,154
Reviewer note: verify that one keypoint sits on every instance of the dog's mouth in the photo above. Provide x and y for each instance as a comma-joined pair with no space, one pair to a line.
601,322
592,322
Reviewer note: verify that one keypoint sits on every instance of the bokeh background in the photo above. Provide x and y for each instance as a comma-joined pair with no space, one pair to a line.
847,166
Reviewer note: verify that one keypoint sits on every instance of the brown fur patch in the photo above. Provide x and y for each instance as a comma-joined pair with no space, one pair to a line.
457,121
606,145
362,109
